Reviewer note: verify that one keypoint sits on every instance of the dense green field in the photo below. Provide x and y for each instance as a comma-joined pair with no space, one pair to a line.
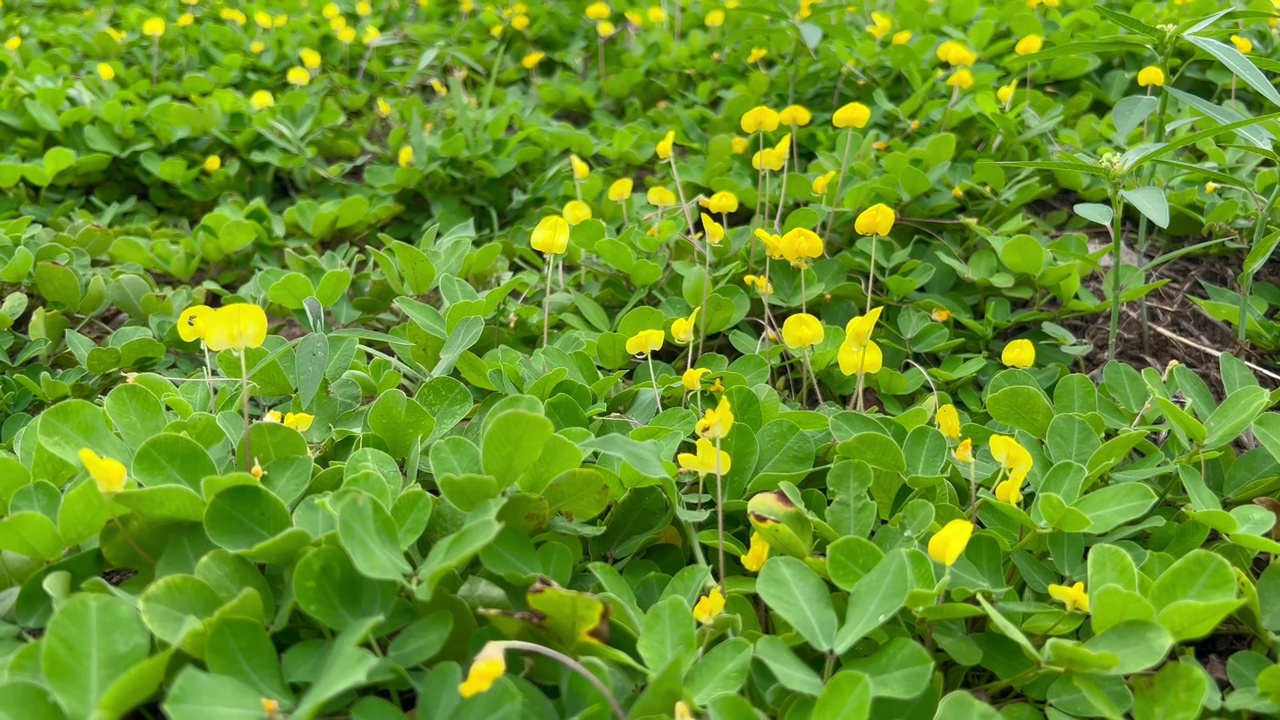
689,358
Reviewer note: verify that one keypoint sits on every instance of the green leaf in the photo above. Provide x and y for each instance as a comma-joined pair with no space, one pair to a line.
900,669
1115,505
1238,64
244,516
421,640
24,701
800,597
1235,414
197,695
1023,254
369,535
240,648
400,421
466,334
311,360
329,588
91,641
174,609
790,671
1174,693
960,705
668,635
1095,213
1149,201
1127,114
847,696
642,455
512,443
453,552
722,671
172,459
1138,644
878,596
1023,408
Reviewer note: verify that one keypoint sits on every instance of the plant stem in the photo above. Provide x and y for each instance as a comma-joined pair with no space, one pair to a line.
871,273
844,166
720,513
653,377
244,405
546,306
571,664
1117,239
817,392
208,376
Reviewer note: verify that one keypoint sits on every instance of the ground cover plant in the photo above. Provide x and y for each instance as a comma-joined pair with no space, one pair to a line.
696,359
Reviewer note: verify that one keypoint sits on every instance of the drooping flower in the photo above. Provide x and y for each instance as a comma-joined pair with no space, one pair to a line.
851,115
298,421
760,283
1019,353
875,220
756,554
620,190
371,35
1073,596
692,378
759,118
108,473
797,115
580,167
768,159
964,451
488,666
714,230
723,202
235,327
709,607
1013,458
1150,75
858,330
13,44
756,55
665,145
661,197
1029,45
1243,44
948,420
949,543
106,72
740,145
715,422
1005,92
707,460
1009,491
682,329
646,342
802,331
822,182
880,25
551,236
576,211
404,158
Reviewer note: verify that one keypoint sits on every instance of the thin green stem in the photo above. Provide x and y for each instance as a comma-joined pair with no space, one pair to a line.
657,394
720,514
844,166
1117,240
572,665
244,405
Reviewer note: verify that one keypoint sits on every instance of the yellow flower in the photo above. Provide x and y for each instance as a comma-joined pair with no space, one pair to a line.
488,666
580,168
384,109
797,115
108,473
551,236
852,115
298,76
604,28
762,286
1012,456
575,211
714,19
753,561
598,11
961,78
153,27
186,20
1019,353
233,15
13,43
866,359
759,118
875,220
520,22
346,35
235,327
212,163
880,25
772,243
901,37
948,544
692,378
298,421
715,231
858,330
310,58
954,53
261,100
531,60
405,157
1009,491
1210,187
371,35
802,331
709,606
1074,596
331,11
740,145
193,322
646,342
940,315
257,472
1029,45
822,182
661,197
715,422
665,144
948,421
1150,75
257,46
1005,92
717,386
723,202
620,190
363,8
681,711
1243,44
106,72
800,244
440,88
706,461
768,159
964,451
656,14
